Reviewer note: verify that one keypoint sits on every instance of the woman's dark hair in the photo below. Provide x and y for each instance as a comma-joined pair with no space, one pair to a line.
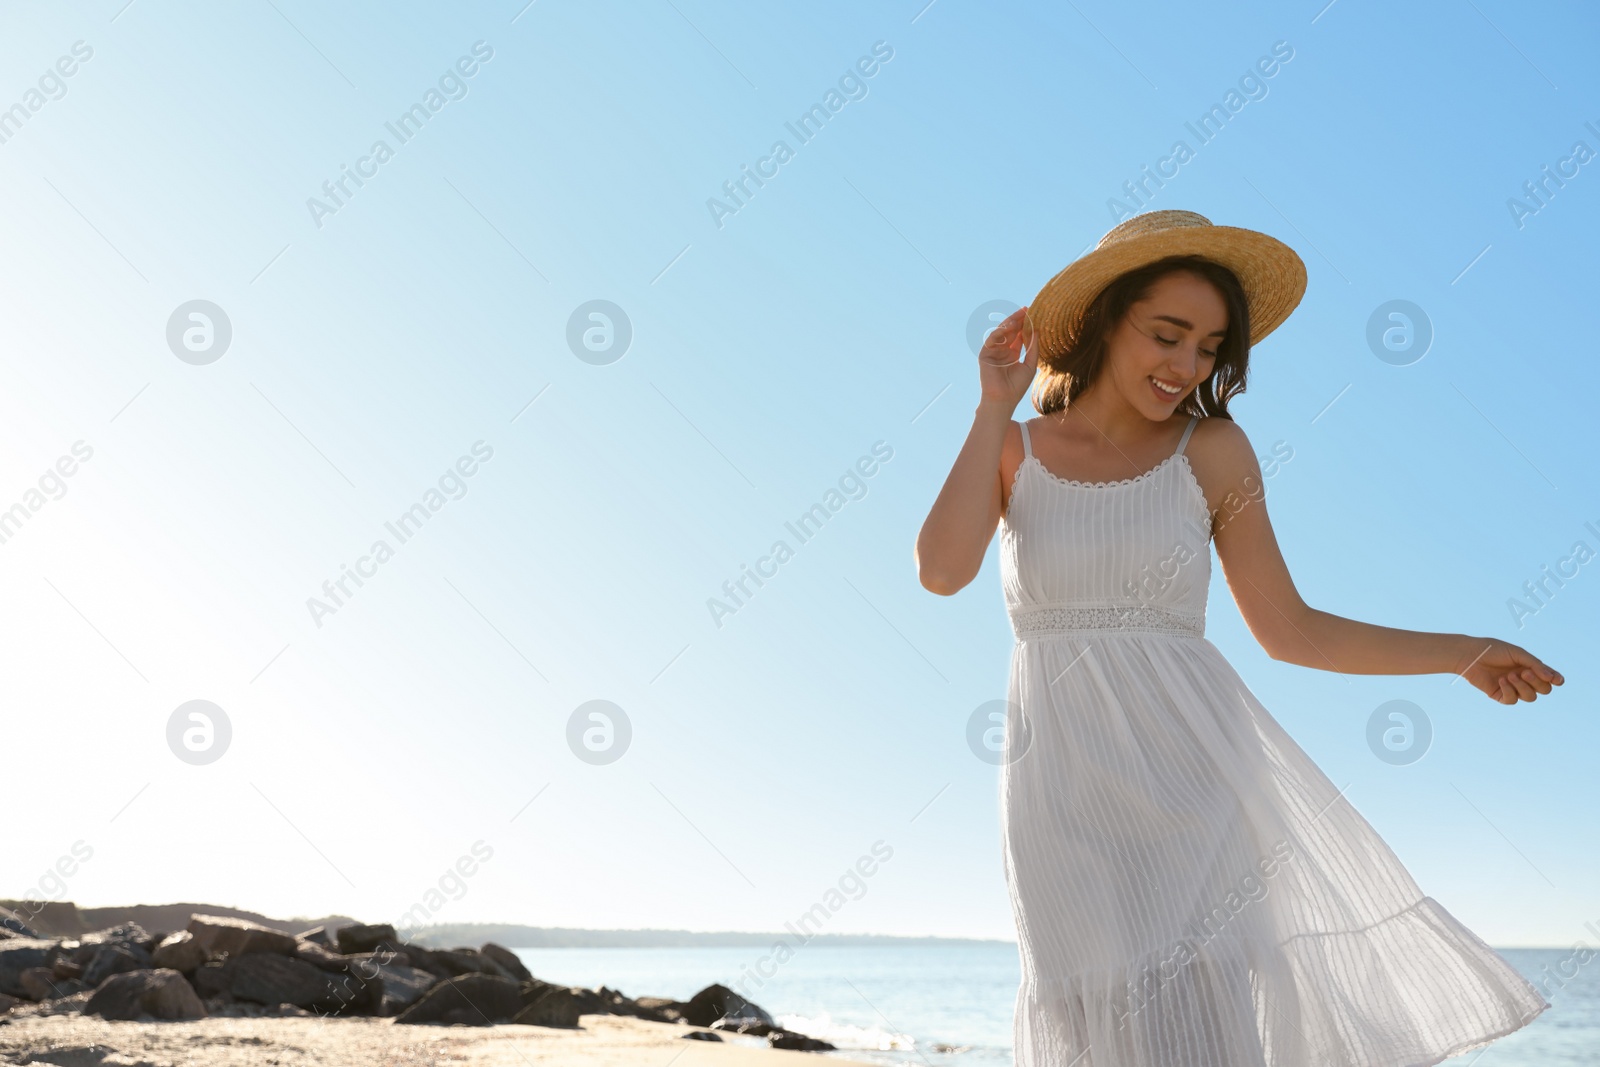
1063,377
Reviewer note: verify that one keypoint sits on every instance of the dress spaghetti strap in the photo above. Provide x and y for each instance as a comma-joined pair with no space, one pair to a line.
1027,446
1187,430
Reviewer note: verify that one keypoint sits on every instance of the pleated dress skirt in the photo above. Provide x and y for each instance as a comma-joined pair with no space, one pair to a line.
1189,889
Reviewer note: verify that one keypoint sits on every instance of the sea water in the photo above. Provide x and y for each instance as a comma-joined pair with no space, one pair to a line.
939,1005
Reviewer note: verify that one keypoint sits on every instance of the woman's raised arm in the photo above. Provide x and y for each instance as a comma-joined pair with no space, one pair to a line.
956,533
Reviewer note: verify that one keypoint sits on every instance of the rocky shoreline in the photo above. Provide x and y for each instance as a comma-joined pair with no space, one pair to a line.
222,966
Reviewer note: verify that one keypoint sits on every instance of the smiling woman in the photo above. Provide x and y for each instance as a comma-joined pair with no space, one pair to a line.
1141,779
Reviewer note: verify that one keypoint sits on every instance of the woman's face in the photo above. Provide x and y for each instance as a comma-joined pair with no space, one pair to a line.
1166,344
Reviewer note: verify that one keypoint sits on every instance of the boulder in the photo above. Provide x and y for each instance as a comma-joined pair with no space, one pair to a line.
218,934
746,1026
65,967
18,954
214,979
360,937
474,999
664,1008
130,934
162,993
507,961
417,956
614,1002
7,1002
702,1035
270,978
318,955
41,983
469,961
403,986
718,1002
179,951
318,934
788,1039
101,961
559,1006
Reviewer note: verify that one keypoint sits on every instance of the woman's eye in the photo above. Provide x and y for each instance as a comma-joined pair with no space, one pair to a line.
1213,355
1166,340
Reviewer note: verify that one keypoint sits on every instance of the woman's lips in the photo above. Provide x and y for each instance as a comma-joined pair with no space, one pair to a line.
1162,393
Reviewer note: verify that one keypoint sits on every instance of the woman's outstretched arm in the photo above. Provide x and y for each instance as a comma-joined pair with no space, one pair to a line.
1291,631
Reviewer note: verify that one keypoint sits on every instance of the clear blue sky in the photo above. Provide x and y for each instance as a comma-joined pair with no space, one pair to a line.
376,338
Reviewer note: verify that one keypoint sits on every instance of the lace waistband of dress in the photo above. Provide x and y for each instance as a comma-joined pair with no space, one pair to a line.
1029,621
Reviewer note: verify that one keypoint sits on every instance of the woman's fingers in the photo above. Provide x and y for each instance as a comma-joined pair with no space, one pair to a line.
1523,658
1519,685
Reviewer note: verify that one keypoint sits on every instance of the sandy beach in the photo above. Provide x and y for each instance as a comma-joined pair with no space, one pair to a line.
72,1040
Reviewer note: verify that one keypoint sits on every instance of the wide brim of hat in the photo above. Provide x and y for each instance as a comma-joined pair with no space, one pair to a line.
1271,273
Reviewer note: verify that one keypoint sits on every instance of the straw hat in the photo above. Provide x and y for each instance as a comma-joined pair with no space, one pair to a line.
1271,273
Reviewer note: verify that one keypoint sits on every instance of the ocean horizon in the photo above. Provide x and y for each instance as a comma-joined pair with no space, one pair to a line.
944,1005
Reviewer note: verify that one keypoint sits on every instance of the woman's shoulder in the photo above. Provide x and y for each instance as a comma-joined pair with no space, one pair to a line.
1220,452
1219,433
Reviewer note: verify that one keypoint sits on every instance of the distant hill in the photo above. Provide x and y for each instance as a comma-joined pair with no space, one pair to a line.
65,919
517,936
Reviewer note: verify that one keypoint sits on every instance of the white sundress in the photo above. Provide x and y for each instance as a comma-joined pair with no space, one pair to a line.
1189,889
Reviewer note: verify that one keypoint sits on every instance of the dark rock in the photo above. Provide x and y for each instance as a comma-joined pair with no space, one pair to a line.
361,937
218,934
12,923
558,1003
403,986
701,1035
270,978
105,960
180,951
614,1002
162,993
214,979
664,1008
18,954
753,1027
365,962
507,961
130,934
469,961
318,955
7,1002
41,983
317,934
476,999
64,967
718,1002
559,1006
788,1039
417,956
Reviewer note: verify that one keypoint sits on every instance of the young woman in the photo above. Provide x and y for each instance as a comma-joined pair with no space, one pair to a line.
1189,889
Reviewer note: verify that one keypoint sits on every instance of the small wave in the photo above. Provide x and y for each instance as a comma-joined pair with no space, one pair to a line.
846,1035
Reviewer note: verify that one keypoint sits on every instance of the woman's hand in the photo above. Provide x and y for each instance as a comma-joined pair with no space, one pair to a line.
1504,671
1004,379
